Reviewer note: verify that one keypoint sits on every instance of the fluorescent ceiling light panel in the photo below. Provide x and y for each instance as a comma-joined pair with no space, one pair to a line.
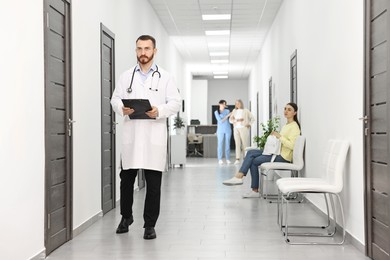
221,77
219,53
218,32
219,61
220,72
208,17
218,44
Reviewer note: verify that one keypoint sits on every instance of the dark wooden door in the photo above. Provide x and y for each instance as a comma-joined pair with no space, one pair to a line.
293,78
58,125
376,128
270,99
108,118
257,114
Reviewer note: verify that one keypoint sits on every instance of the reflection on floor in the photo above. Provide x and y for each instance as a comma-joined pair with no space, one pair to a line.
200,219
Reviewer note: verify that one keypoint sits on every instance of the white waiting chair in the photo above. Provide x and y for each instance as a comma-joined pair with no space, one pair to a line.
331,184
295,166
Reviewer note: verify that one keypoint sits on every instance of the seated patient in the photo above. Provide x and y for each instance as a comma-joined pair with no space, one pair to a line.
254,158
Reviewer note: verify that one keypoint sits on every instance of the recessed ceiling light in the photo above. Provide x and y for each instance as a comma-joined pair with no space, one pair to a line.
219,61
221,77
206,17
218,32
219,53
218,44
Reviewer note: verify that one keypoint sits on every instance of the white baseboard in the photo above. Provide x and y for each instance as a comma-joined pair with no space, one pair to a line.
77,231
40,256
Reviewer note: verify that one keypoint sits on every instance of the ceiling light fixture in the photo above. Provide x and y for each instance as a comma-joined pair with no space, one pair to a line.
218,44
209,17
221,77
219,53
218,32
219,61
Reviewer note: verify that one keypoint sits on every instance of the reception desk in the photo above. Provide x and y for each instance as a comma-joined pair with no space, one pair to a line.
209,137
210,144
202,129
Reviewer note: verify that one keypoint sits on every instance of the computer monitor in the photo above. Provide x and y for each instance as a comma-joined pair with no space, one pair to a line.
195,122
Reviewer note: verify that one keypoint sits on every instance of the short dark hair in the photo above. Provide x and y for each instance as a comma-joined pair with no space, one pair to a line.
222,101
145,38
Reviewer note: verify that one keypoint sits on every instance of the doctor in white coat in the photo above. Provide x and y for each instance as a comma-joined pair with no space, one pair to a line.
144,141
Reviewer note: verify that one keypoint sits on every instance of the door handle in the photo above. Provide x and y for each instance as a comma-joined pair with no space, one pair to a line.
114,127
70,123
365,119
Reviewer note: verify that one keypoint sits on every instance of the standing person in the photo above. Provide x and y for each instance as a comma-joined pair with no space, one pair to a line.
144,141
242,119
224,131
254,158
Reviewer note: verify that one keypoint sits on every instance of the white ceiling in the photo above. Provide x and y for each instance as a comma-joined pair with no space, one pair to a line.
249,24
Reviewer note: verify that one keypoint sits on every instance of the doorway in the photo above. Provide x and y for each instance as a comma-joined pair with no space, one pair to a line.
376,129
58,124
108,169
293,78
270,99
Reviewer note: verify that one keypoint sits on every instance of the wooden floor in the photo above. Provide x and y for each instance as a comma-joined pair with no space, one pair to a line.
201,219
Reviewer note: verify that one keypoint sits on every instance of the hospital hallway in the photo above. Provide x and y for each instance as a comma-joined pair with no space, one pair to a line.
201,219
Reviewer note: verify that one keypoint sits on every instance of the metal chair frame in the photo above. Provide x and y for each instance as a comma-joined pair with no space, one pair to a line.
330,185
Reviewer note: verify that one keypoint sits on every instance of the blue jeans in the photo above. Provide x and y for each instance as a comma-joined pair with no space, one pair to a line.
252,161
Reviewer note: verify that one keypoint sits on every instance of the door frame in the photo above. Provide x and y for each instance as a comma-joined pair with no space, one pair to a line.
105,30
270,99
294,94
366,140
69,139
368,128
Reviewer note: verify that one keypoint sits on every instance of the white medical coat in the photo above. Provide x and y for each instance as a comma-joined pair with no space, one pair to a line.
144,142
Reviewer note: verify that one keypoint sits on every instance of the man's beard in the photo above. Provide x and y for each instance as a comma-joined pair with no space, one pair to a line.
145,59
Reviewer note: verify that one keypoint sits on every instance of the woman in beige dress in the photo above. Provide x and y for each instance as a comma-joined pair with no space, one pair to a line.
242,119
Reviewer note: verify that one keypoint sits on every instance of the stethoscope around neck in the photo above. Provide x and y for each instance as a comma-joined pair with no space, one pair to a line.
130,88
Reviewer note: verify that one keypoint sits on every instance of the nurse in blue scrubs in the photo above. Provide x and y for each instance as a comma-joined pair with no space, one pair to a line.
224,131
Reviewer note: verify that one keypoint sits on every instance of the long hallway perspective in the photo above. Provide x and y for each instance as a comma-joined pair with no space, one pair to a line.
201,219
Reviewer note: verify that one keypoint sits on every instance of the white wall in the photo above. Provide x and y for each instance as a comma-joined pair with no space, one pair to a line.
199,97
227,89
328,36
22,129
22,132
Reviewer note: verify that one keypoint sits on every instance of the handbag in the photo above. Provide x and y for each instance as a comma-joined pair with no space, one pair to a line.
272,147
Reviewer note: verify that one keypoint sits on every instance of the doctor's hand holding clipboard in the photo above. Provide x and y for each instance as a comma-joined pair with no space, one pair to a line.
127,111
139,109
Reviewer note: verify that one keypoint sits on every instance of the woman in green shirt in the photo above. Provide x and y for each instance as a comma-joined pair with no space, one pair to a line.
254,158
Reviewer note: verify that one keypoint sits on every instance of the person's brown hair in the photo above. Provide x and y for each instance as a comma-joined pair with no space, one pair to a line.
296,114
146,38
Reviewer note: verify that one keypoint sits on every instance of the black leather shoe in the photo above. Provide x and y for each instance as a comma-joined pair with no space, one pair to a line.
123,226
150,233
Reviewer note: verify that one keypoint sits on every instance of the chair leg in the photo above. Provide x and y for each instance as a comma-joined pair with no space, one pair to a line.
278,210
286,232
262,194
342,219
264,188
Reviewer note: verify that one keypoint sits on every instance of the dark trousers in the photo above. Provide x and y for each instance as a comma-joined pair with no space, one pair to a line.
152,198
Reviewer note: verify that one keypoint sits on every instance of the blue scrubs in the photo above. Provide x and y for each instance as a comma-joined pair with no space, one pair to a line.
224,132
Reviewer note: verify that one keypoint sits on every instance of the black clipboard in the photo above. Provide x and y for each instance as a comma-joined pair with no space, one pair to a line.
140,106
